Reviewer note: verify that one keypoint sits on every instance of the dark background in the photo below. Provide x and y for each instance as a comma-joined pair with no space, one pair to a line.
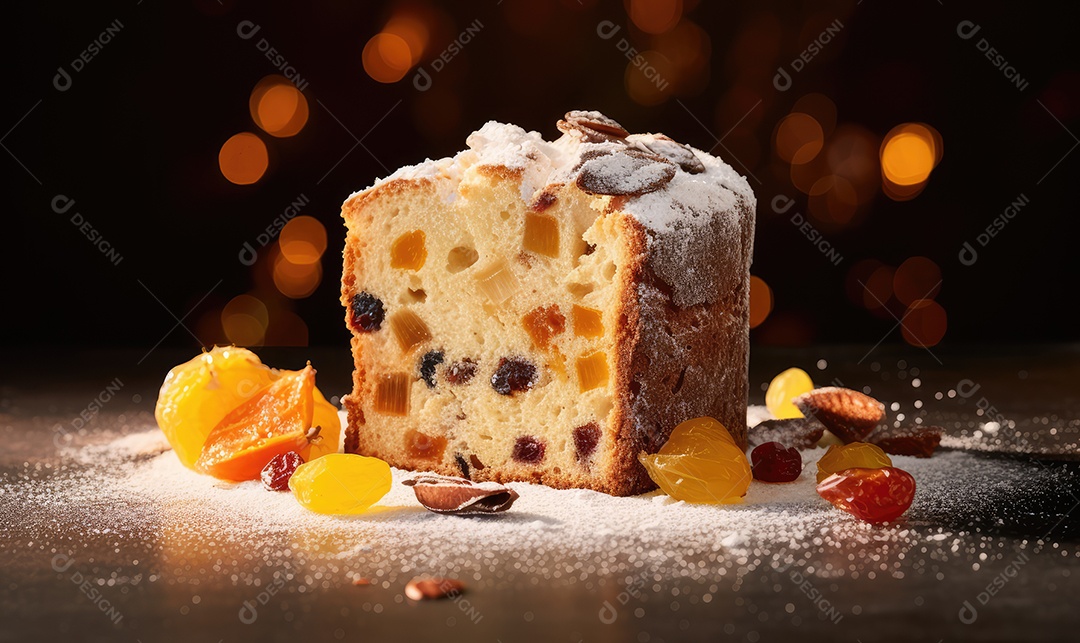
135,140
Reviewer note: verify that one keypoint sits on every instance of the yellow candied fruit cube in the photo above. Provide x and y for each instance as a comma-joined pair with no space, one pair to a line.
392,394
409,251
592,371
541,235
588,322
497,281
409,329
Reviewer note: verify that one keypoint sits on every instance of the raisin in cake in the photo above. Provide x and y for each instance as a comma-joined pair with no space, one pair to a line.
546,311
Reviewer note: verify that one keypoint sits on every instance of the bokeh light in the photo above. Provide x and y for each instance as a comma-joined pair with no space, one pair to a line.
655,16
652,81
878,289
286,329
303,240
917,278
799,138
925,323
761,301
387,57
413,30
909,153
296,280
244,320
243,158
278,107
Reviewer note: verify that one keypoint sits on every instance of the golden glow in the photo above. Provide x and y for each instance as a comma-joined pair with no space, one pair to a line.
296,280
924,323
244,320
799,138
908,154
412,30
652,81
877,290
917,278
761,301
303,240
387,57
243,159
655,16
278,107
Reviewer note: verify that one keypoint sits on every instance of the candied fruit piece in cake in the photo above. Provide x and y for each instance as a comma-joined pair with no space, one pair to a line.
409,251
555,309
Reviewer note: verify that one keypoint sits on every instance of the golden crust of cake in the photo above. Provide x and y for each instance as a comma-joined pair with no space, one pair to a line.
676,229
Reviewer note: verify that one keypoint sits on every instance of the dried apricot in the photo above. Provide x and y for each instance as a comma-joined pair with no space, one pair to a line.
700,463
341,483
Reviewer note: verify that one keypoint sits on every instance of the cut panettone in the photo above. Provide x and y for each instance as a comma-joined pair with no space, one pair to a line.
545,311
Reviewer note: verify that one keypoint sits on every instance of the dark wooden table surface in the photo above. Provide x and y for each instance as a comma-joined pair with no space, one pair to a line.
51,402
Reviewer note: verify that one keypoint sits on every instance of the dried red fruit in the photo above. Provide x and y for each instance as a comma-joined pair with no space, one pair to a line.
367,312
420,589
513,375
774,462
275,475
585,440
799,433
874,495
628,172
918,441
849,415
461,372
528,450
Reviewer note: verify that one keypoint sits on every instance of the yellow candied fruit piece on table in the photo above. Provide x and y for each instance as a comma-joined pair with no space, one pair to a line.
541,235
700,463
592,371
409,251
197,394
860,455
497,281
784,388
588,322
341,484
392,394
409,329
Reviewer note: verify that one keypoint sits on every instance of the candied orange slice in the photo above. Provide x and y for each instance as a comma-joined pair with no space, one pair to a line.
274,421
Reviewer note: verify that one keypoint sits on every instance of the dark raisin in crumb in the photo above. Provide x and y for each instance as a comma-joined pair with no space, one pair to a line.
428,362
585,440
513,375
463,465
589,248
461,372
367,312
529,450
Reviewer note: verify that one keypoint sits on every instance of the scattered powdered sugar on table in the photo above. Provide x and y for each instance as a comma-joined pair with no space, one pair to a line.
132,489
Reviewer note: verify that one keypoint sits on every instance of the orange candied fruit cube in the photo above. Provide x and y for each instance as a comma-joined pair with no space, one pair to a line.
588,322
409,251
392,394
409,329
423,446
541,235
592,371
543,324
497,281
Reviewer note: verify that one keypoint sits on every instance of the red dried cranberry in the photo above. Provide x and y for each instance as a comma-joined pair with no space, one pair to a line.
585,440
367,312
528,449
513,375
276,473
461,372
774,462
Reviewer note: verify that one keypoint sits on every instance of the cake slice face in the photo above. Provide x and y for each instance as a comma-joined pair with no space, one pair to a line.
510,315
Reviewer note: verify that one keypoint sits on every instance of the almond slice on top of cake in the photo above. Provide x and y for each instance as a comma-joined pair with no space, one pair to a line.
545,311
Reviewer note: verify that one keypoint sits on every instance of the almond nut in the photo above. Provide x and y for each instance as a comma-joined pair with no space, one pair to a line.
849,415
450,495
